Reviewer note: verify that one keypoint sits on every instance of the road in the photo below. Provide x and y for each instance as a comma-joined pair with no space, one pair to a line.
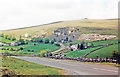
61,48
74,68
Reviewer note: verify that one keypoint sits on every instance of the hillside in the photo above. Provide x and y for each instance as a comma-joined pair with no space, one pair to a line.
103,26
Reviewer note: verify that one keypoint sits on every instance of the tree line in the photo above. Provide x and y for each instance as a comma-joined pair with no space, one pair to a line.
8,37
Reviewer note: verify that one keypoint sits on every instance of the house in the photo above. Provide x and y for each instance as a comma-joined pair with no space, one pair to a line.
74,47
14,44
27,35
64,35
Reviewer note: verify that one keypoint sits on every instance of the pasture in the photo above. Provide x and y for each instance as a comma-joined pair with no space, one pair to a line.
21,67
30,46
103,26
79,53
104,52
5,40
40,47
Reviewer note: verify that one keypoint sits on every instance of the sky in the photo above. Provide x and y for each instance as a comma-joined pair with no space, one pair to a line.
24,13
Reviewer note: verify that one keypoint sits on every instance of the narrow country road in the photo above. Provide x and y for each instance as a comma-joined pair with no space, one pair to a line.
74,68
61,48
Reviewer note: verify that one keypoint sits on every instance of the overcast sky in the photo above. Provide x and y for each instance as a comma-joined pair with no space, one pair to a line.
24,13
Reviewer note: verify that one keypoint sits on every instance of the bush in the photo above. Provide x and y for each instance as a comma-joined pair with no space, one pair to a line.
13,38
9,37
43,53
46,41
21,41
11,49
52,41
1,35
5,36
21,48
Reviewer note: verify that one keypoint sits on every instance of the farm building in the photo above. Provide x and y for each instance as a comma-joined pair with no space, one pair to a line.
27,35
14,44
64,35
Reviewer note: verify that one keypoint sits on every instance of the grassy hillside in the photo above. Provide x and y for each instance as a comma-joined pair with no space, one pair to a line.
30,46
40,47
21,67
85,26
5,40
79,53
105,52
102,53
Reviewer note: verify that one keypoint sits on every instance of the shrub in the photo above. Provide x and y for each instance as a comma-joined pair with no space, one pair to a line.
21,48
5,36
52,41
2,35
13,38
46,41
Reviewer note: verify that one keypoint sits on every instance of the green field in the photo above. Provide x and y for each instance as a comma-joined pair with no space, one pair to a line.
5,40
40,47
24,46
22,67
104,52
104,42
79,53
30,46
94,43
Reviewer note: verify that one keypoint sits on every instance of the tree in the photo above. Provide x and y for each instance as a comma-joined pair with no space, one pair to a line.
43,53
46,41
22,41
78,46
82,46
52,41
5,36
40,40
21,48
2,35
9,37
11,49
114,54
13,38
92,45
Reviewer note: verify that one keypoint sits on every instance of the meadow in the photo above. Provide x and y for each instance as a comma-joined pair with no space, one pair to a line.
21,67
30,46
39,47
5,40
79,53
104,52
103,26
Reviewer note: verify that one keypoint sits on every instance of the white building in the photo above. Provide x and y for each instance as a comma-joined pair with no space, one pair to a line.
74,47
27,35
14,44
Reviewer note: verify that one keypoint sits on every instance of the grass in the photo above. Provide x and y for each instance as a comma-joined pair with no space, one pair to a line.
27,68
103,63
79,53
105,42
3,51
24,46
104,52
5,40
103,26
95,43
30,46
40,47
